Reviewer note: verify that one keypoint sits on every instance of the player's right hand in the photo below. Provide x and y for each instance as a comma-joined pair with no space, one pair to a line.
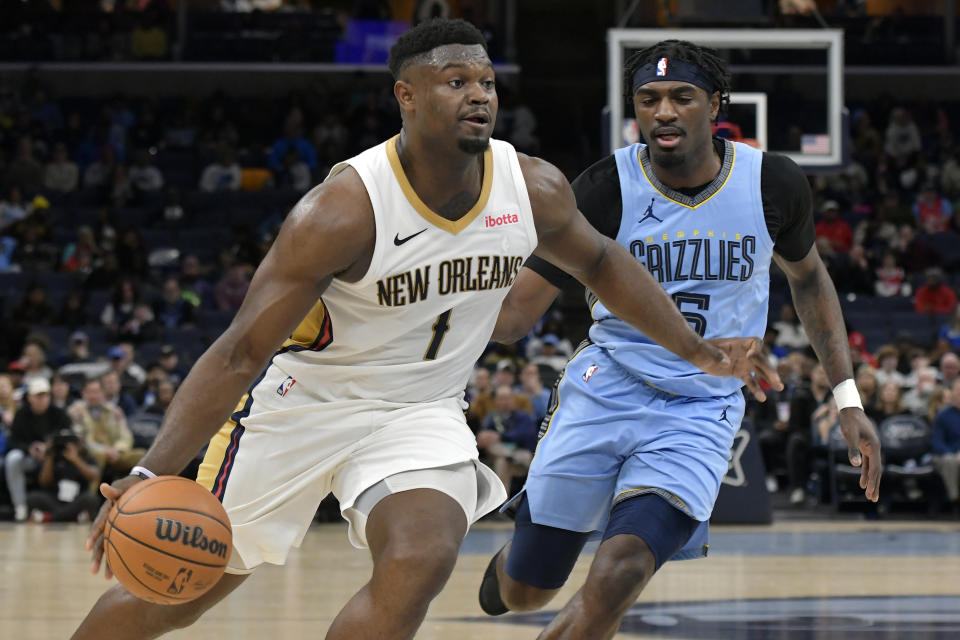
748,363
112,493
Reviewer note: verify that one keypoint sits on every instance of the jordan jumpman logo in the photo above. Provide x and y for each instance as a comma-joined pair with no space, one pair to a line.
649,214
723,416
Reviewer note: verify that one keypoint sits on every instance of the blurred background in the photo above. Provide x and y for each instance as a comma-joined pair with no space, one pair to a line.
150,149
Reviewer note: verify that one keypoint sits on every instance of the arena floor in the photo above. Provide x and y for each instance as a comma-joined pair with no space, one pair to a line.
806,580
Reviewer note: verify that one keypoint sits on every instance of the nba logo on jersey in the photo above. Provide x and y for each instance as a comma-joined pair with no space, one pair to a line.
592,369
285,386
662,67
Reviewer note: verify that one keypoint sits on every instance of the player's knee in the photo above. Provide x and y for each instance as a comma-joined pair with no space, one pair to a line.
426,564
617,578
521,597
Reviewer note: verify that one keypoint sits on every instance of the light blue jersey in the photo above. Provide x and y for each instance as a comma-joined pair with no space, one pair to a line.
710,252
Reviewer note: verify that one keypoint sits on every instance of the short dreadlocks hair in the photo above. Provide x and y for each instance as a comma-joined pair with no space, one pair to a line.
704,57
430,35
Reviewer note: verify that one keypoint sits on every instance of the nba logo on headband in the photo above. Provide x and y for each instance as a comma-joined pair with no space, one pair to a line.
662,67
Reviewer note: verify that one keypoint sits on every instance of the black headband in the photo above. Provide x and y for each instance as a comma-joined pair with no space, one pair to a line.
666,70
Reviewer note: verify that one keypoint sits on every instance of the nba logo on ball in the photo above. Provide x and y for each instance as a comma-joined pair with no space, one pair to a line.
662,67
592,369
285,386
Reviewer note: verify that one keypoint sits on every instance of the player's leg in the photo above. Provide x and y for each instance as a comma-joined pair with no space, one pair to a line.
643,533
414,537
529,571
118,615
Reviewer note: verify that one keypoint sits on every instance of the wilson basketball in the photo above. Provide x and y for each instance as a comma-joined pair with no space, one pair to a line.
167,540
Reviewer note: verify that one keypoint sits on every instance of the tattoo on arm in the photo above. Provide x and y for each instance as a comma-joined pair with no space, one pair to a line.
818,308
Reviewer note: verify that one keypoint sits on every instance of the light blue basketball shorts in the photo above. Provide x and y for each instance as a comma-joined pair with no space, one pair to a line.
610,436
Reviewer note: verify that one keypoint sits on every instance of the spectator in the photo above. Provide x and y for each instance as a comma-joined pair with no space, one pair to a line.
141,327
532,387
888,403
549,355
232,287
25,171
950,175
148,40
294,173
27,447
197,289
119,310
171,310
146,422
934,296
83,254
888,357
13,209
114,395
480,397
917,399
806,399
866,379
144,176
292,138
78,350
948,338
105,430
33,308
916,254
73,311
222,174
132,255
834,228
949,369
890,278
946,443
61,174
132,375
507,437
66,476
8,403
61,395
790,332
169,360
902,136
34,358
932,211
99,174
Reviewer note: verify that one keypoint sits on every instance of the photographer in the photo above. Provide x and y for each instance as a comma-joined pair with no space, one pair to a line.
34,423
65,482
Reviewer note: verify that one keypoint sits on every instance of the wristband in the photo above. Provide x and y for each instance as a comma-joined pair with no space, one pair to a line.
142,472
846,395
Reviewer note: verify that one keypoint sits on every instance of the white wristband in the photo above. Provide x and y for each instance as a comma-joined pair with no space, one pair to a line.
846,395
143,472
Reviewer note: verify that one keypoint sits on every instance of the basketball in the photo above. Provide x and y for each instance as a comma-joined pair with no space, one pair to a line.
167,540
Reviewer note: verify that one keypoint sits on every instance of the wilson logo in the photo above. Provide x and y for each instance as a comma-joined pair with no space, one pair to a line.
174,531
499,221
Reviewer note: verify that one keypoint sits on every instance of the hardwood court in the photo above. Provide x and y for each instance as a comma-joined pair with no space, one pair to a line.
791,580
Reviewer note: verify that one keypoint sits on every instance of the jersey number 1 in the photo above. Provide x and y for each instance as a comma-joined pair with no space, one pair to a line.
440,328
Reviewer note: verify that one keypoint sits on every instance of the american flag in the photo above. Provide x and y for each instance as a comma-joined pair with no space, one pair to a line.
815,143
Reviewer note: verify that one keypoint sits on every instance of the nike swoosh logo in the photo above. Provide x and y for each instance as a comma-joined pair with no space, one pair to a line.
397,240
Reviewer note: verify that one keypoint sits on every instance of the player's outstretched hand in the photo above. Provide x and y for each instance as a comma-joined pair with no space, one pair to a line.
863,447
112,493
748,363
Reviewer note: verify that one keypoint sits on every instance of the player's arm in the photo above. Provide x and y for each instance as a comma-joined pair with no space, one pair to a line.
568,241
818,307
328,233
528,299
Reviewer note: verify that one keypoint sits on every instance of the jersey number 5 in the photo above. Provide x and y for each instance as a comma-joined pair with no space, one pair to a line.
440,327
701,302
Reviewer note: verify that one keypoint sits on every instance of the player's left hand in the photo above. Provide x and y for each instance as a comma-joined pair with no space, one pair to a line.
863,449
748,363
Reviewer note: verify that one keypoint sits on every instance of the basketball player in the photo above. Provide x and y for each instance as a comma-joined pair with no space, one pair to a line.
356,339
637,441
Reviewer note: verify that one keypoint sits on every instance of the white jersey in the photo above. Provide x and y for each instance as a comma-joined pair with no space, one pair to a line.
412,328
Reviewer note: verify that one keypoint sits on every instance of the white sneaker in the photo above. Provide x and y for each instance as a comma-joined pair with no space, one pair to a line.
20,512
797,496
772,485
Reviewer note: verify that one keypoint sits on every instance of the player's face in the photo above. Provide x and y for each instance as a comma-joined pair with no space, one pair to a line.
674,118
458,97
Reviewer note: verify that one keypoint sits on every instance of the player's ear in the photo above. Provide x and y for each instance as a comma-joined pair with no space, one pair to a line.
714,105
405,95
